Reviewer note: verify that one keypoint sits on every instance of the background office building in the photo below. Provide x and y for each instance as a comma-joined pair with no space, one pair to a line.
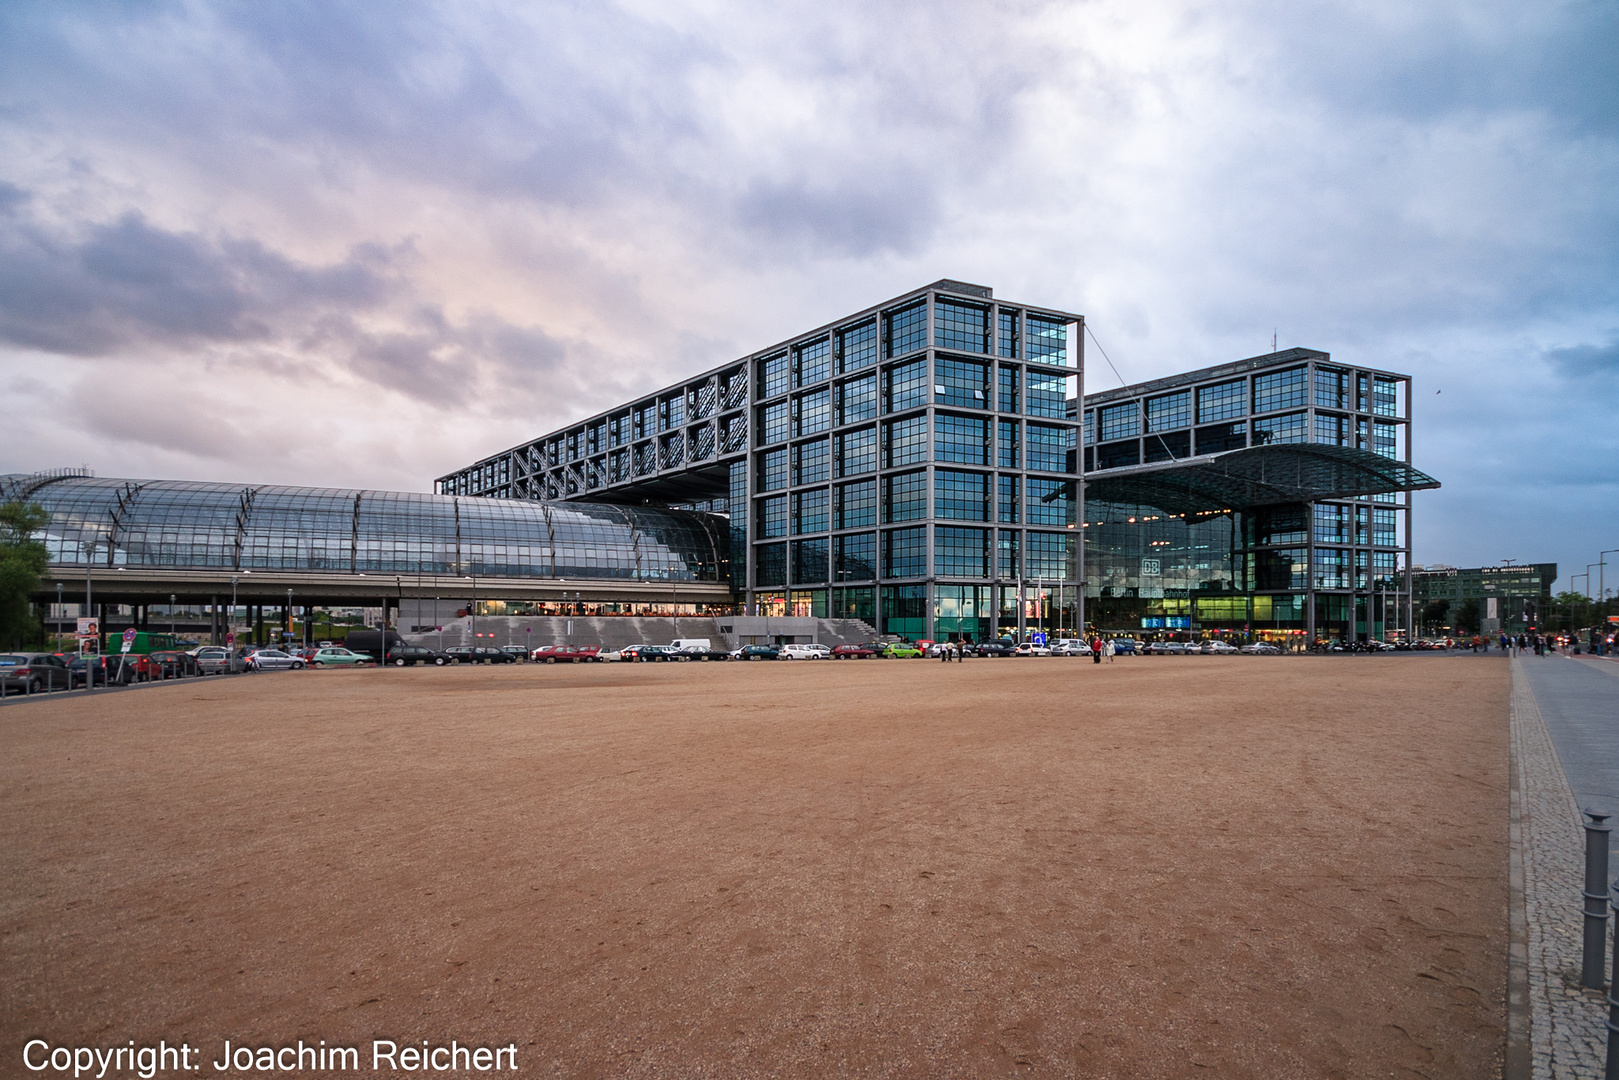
917,464
1487,599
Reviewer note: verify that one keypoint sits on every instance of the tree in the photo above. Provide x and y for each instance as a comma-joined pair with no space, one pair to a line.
1435,614
23,561
1466,615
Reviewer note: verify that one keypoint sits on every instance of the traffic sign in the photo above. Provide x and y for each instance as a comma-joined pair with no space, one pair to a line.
230,637
129,636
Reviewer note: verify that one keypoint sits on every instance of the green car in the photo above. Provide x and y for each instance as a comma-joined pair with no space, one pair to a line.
901,650
336,657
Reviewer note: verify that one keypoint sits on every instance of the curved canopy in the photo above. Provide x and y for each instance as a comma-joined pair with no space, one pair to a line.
188,525
1258,476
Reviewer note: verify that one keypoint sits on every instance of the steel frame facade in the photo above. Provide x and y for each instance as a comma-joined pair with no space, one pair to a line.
948,368
1326,404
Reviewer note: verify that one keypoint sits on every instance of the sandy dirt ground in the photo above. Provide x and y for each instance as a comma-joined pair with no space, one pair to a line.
1163,867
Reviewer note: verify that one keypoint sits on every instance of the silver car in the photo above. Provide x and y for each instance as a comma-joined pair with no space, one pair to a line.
272,660
212,659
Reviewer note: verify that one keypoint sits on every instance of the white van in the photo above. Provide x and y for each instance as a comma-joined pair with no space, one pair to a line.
805,652
690,643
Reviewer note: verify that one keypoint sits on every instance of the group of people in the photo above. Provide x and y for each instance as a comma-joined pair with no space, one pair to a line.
1514,645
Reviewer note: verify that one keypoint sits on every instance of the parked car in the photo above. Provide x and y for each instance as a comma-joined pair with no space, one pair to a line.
479,654
1000,647
854,652
756,652
703,652
1071,647
171,664
1261,648
519,651
1171,648
1029,648
567,654
610,655
32,673
805,652
1125,646
272,660
900,650
212,659
408,655
106,670
337,656
661,653
1217,648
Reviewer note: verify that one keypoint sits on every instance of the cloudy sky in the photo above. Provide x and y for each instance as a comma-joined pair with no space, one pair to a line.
364,244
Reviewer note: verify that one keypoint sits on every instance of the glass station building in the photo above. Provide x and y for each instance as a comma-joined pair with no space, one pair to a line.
925,465
1268,499
138,543
892,466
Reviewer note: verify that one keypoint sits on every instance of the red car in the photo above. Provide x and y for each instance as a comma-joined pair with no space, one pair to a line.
853,652
568,654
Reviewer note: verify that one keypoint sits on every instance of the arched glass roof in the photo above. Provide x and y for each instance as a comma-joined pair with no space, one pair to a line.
190,525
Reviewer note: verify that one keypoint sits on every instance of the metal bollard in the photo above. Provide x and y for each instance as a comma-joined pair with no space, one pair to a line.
1596,900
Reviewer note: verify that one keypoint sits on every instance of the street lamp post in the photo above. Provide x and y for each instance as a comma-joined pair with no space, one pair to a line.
1602,583
60,618
172,631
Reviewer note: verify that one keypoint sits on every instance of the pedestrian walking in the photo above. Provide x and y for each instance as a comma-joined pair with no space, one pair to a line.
1108,646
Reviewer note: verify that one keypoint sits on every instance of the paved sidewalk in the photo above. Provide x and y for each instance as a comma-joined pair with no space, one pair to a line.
1565,736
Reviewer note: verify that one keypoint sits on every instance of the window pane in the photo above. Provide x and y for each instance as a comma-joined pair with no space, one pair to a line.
960,496
905,552
905,497
1048,340
1120,421
1048,447
905,442
812,412
810,511
906,386
809,561
958,325
1222,402
857,505
1008,336
905,330
1047,394
1279,390
1275,430
857,346
1169,412
1006,398
961,383
812,362
857,452
960,552
961,439
857,400
774,375
773,470
855,557
812,462
1050,502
